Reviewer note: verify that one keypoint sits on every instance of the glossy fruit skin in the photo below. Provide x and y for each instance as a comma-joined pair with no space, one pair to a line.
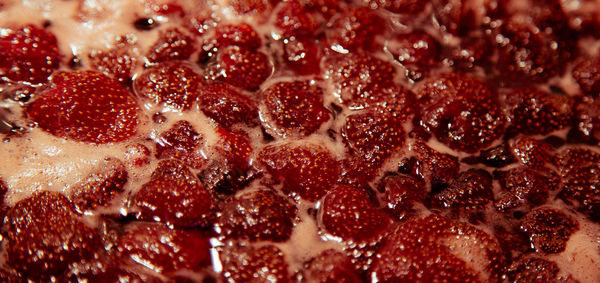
86,106
28,53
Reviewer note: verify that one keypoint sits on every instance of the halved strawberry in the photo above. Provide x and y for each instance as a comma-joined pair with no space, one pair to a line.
249,264
349,213
586,121
417,52
294,108
436,249
549,229
587,75
86,106
306,170
119,61
173,84
356,29
458,17
533,269
433,165
100,187
471,190
243,68
303,55
181,142
404,7
533,153
260,215
242,35
579,169
45,235
174,196
172,44
162,249
28,53
462,112
525,187
330,266
226,105
402,192
534,111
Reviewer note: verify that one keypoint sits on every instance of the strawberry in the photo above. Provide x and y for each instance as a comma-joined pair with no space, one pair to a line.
45,235
200,21
243,68
99,188
533,153
471,190
417,52
226,105
250,6
461,111
533,269
260,215
235,147
586,121
525,187
86,106
181,142
162,249
28,53
404,7
359,78
172,44
306,170
137,155
117,62
173,84
534,111
303,55
242,35
436,249
433,165
294,108
293,19
579,169
330,266
548,229
348,213
355,29
401,193
498,156
458,17
253,264
174,196
164,7
587,74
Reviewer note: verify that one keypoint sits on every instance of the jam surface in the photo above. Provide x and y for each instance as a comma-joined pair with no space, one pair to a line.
300,141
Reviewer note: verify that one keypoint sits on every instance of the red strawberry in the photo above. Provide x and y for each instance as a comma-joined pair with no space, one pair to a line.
348,213
109,272
524,186
587,75
579,169
45,235
181,142
226,105
458,17
162,249
533,269
230,171
434,165
533,153
260,215
330,266
86,106
294,108
359,78
497,157
250,6
99,188
117,62
436,249
243,68
242,35
471,190
164,7
586,121
405,7
402,192
174,196
172,44
534,111
294,20
302,55
137,155
306,170
417,52
173,84
461,111
253,264
548,229
28,54
355,29
200,21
